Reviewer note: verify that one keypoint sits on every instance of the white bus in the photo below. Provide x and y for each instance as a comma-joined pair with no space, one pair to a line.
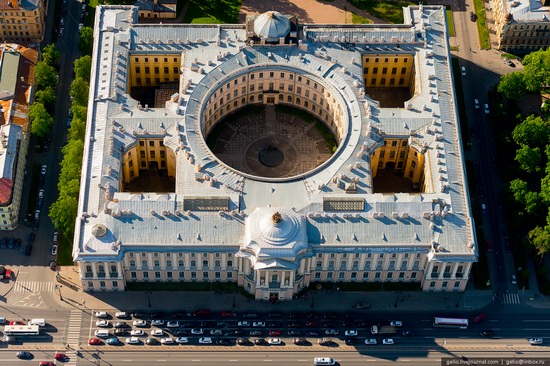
451,323
21,330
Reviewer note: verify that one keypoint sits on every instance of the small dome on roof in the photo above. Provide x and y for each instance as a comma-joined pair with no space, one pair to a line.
99,230
508,17
271,26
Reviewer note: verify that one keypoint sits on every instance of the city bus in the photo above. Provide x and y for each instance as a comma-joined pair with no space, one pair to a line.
451,323
21,330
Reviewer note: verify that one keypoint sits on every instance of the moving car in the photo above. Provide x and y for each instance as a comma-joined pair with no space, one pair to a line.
24,355
487,333
371,341
486,108
463,70
396,323
476,103
408,333
388,341
362,305
535,341
514,280
43,169
61,357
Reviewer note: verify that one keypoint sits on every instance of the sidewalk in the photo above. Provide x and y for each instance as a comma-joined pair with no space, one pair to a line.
71,296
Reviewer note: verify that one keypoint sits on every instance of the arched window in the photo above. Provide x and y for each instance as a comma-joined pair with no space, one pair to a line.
205,263
169,263
157,263
230,263
217,264
193,263
144,263
331,264
180,264
132,263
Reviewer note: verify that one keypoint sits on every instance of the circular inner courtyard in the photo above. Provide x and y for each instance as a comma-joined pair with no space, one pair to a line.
271,141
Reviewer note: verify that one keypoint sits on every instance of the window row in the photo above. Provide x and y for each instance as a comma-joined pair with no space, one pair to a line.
386,60
165,69
181,275
168,255
368,265
156,59
181,264
364,276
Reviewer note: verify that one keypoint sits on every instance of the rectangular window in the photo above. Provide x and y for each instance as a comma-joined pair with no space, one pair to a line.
229,275
205,275
377,275
413,275
341,275
138,70
169,275
329,276
389,276
193,275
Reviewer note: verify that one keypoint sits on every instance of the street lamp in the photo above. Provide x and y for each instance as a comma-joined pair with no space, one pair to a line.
396,298
148,297
58,287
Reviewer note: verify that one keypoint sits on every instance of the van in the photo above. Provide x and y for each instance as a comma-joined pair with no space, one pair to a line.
319,361
102,333
39,322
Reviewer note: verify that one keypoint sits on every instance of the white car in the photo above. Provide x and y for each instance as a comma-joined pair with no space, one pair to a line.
157,332
132,340
274,341
350,333
137,333
258,324
387,341
139,323
173,324
486,108
167,340
101,314
121,315
41,193
197,331
103,323
207,340
43,169
476,103
157,322
371,341
182,340
463,71
535,341
396,323
514,280
216,332
54,250
243,324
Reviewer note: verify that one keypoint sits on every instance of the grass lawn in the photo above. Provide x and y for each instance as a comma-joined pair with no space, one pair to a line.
482,31
391,12
213,12
358,19
450,23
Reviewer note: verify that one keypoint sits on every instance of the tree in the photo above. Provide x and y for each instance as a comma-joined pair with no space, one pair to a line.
41,121
79,91
533,131
83,67
512,85
50,54
46,96
529,158
63,213
86,42
44,75
519,189
540,238
536,70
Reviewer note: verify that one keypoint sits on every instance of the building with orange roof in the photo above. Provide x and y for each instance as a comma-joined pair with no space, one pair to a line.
16,94
23,21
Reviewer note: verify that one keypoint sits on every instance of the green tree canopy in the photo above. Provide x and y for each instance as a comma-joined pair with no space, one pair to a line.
46,96
540,238
86,42
533,131
512,85
44,75
519,189
50,54
83,67
41,121
536,70
79,91
63,213
529,159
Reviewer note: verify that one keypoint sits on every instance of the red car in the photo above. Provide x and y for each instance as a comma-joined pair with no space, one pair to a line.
274,332
202,312
489,246
311,324
94,341
228,314
61,357
479,318
47,363
17,322
8,275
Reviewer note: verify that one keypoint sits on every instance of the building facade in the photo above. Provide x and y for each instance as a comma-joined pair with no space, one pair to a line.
273,235
17,93
23,21
522,26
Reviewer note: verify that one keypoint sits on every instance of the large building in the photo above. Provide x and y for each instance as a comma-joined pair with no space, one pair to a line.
16,94
274,155
522,26
23,21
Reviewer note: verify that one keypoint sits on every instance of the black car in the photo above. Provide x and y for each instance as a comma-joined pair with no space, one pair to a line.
180,332
275,315
294,332
487,333
120,332
312,315
179,314
295,315
158,315
223,341
238,333
152,341
259,341
473,16
330,325
18,244
330,315
139,315
28,250
312,333
121,325
24,355
300,341
3,243
274,324
242,341
207,324
295,325
257,333
11,243
222,324
348,324
351,341
408,333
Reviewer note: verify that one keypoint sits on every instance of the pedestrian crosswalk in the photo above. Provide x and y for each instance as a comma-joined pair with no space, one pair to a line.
512,299
23,287
73,331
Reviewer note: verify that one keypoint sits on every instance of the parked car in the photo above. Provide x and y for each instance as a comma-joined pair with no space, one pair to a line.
101,314
132,340
54,250
167,341
157,333
300,341
137,333
351,341
173,324
463,70
113,341
332,332
197,331
325,341
479,318
140,323
535,341
486,108
223,341
396,323
408,333
157,322
514,280
258,324
121,315
274,341
259,341
182,340
487,333
388,341
151,341
350,333
94,341
274,333
43,169
362,305
228,314
205,340
242,341
103,323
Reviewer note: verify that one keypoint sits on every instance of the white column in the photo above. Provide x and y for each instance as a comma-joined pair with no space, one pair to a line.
442,270
149,260
455,268
326,258
94,269
258,275
291,279
467,270
429,271
283,273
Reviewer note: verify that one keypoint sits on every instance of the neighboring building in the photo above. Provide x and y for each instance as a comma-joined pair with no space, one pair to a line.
522,26
23,21
16,94
153,9
385,94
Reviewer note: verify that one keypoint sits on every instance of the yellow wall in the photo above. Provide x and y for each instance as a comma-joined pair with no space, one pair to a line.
385,70
152,69
20,25
145,152
396,152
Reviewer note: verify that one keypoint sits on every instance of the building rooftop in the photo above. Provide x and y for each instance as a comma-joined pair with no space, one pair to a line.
528,10
438,221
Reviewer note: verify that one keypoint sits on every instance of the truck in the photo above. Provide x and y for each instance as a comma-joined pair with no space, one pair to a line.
383,329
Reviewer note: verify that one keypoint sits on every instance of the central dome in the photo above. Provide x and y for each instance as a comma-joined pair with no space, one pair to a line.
278,228
271,26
